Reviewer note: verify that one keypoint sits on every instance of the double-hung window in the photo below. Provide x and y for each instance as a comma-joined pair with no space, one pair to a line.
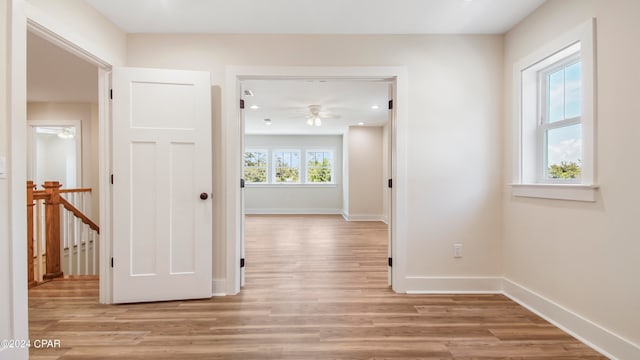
255,166
286,166
560,125
319,167
555,112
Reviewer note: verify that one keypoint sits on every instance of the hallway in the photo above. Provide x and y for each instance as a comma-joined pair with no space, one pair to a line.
316,288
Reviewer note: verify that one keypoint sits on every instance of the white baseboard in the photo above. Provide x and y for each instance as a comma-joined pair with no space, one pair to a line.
453,285
280,211
600,339
219,287
350,217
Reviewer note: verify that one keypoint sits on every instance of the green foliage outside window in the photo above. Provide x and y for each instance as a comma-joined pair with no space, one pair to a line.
255,167
287,167
566,170
318,167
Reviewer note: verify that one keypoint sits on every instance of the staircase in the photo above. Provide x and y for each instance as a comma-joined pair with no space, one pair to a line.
61,239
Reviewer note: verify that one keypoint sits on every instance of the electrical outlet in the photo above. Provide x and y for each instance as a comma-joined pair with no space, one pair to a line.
3,167
457,251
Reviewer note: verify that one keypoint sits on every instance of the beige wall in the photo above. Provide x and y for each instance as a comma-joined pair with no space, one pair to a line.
87,26
5,264
455,97
584,256
365,172
88,114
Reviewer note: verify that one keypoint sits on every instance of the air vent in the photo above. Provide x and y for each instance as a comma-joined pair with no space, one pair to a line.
248,93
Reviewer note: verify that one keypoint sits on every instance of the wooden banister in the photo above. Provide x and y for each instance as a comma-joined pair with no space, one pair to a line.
52,214
67,205
30,207
79,190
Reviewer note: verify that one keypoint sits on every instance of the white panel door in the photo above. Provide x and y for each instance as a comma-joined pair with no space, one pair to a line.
162,220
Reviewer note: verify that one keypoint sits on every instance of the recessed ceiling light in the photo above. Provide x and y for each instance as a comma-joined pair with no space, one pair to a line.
360,123
254,107
375,107
267,121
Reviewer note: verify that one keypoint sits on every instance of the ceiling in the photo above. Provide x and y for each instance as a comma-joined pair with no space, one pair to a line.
316,16
55,75
58,76
286,104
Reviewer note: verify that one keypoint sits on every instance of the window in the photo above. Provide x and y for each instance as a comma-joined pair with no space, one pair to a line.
255,166
286,165
560,127
554,101
319,166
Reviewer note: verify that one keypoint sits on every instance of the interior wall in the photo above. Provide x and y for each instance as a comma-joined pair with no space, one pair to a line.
305,199
584,256
5,261
455,97
87,114
57,160
365,173
87,26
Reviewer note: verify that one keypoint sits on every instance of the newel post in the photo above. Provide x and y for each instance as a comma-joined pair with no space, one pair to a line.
30,206
52,206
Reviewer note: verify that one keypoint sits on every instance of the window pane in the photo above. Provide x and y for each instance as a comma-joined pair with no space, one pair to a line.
287,167
573,95
564,152
555,96
319,166
255,167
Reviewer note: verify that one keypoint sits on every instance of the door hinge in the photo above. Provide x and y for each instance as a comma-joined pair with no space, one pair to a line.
390,104
241,104
111,179
112,262
390,262
390,183
242,262
111,94
242,183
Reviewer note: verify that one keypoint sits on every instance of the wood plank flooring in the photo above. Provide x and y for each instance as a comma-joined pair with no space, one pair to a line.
316,288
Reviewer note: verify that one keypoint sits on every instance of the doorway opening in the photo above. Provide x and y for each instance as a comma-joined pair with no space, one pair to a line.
62,164
317,159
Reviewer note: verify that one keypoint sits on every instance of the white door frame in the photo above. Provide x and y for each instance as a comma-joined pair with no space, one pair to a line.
54,32
232,132
24,17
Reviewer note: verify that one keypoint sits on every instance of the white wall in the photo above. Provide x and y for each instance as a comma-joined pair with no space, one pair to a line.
584,256
86,25
87,114
365,173
274,199
56,161
455,102
5,263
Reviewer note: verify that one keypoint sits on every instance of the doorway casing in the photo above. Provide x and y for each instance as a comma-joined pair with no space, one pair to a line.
232,132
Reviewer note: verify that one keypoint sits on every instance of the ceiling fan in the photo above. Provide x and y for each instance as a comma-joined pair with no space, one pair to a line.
316,115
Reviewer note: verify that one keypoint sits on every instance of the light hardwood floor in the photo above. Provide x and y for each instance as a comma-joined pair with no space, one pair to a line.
316,288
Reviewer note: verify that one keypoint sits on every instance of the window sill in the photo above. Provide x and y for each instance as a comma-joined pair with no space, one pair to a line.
573,192
290,185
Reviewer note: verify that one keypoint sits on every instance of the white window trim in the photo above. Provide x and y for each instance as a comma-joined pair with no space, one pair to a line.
306,165
266,151
273,167
525,169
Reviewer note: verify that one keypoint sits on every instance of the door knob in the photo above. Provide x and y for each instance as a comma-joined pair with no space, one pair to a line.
204,196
